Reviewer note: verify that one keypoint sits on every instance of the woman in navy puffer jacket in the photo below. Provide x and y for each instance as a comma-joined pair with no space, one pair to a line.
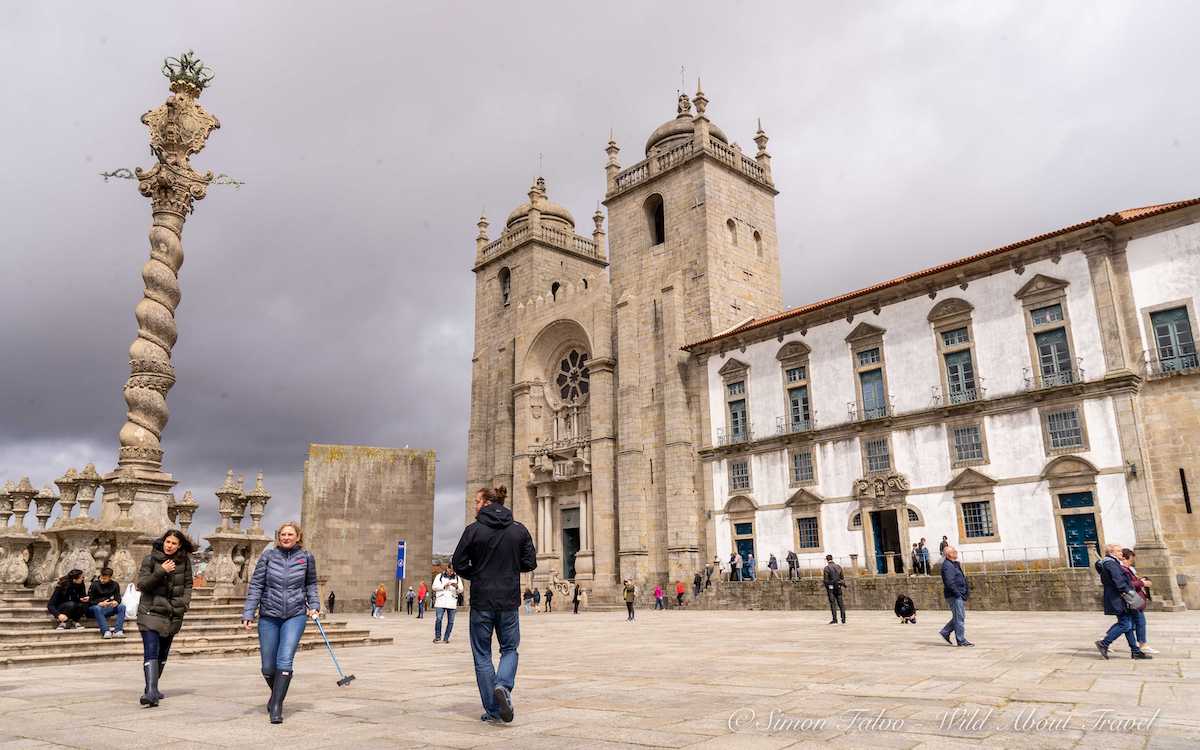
284,591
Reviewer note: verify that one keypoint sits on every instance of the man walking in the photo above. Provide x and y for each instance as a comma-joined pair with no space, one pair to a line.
834,580
751,573
773,567
735,566
956,590
697,582
708,572
446,587
492,554
793,566
922,557
1116,585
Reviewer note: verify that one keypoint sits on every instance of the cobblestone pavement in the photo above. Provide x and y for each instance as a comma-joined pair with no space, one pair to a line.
671,679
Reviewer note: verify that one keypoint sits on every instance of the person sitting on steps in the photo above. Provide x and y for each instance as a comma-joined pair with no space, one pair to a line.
69,602
105,596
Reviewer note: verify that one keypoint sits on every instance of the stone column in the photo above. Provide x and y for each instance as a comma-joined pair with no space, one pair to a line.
178,129
631,490
683,517
602,537
15,540
223,571
257,539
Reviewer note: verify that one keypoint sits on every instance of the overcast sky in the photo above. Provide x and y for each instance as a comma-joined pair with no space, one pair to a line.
330,298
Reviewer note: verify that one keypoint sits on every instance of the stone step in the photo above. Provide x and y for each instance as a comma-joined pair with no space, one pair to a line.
196,609
52,636
244,648
43,621
131,643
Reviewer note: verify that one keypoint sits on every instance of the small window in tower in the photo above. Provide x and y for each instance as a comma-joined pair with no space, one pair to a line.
732,229
505,277
656,219
554,290
584,283
758,243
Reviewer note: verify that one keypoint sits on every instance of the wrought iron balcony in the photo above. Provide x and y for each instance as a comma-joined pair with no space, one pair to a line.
792,426
735,437
1036,381
1157,365
854,414
958,395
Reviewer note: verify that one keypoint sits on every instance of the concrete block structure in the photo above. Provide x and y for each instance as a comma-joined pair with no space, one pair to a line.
357,503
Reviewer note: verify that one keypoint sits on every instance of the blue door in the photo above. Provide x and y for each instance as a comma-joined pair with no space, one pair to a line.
1079,529
877,537
745,548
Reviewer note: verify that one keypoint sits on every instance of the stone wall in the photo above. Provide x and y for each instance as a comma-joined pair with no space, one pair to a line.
1077,590
357,503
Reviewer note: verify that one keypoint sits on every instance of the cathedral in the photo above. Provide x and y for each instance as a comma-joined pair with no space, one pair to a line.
652,405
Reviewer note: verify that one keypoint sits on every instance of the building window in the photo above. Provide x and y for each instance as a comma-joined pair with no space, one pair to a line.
914,518
798,409
739,475
951,320
878,455
793,361
1176,347
758,248
572,378
554,290
1064,429
796,374
731,228
1048,325
977,519
866,347
735,375
505,278
808,532
856,521
802,466
656,219
968,443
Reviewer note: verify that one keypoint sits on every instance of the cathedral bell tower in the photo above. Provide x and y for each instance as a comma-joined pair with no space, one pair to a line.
694,252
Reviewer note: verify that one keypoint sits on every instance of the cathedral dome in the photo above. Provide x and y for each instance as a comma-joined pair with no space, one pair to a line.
551,211
680,129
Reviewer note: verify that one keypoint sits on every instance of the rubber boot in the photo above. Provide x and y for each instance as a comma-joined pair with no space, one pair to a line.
270,678
150,697
158,692
278,693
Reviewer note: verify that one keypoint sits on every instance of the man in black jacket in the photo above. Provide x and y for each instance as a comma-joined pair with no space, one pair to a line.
956,590
1112,576
105,598
492,554
834,579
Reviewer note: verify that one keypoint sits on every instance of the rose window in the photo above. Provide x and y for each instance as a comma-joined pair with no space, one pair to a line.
572,377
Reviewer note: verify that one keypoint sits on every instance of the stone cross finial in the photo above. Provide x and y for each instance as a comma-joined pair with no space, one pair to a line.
178,129
45,501
700,100
227,495
68,488
6,503
89,482
184,509
258,499
21,496
239,504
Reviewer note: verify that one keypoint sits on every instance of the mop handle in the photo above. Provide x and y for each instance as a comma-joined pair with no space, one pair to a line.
330,648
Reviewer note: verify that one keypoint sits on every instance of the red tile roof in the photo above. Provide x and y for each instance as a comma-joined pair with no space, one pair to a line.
1126,216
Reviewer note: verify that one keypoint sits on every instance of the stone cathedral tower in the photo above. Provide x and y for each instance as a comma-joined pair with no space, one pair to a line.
694,253
582,402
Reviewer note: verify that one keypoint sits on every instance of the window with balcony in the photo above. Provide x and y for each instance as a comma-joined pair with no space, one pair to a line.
739,475
735,375
1048,326
951,321
793,362
1175,346
877,455
866,348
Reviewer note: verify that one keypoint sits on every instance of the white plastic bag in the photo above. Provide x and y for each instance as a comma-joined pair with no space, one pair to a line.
131,598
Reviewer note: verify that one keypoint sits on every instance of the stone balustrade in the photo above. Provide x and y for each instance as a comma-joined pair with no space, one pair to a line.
549,235
660,162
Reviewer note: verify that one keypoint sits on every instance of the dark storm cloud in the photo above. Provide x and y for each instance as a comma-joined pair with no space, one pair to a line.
330,299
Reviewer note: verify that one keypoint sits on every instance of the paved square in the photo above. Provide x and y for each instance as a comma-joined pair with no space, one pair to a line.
671,679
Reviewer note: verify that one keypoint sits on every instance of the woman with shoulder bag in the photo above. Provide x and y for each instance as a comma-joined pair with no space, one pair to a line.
284,591
1142,587
165,582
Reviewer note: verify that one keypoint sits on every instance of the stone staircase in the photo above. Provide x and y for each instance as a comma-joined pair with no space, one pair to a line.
212,628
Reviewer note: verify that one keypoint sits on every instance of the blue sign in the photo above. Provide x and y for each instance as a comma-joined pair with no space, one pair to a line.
400,550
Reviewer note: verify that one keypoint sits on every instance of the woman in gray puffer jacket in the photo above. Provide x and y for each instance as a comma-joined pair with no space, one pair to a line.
165,582
284,591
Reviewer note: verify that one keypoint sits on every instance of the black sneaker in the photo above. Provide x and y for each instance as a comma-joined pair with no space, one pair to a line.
966,643
946,638
1102,648
503,703
1140,655
833,622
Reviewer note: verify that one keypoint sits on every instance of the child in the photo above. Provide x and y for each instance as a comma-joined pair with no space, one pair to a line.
905,609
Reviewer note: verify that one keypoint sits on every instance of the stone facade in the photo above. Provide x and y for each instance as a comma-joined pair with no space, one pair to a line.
357,503
1010,401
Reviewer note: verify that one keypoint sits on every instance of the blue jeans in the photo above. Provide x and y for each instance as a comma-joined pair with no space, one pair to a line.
101,614
1139,625
277,641
958,620
1123,626
155,647
506,624
437,623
